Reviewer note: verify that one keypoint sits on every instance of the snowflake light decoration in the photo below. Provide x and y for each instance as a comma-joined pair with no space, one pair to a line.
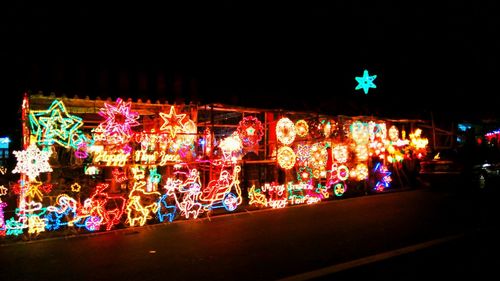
119,120
173,122
32,161
365,82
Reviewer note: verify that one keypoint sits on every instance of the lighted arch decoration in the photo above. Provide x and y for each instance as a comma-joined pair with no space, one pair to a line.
301,128
54,125
286,157
172,122
285,131
117,128
250,130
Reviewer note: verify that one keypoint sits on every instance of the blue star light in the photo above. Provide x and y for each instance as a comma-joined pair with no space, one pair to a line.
365,82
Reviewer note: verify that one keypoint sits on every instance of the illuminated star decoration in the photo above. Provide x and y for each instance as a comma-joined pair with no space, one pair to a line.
54,125
365,82
119,120
75,187
32,161
173,122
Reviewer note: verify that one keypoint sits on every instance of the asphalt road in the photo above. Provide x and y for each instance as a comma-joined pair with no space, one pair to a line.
262,245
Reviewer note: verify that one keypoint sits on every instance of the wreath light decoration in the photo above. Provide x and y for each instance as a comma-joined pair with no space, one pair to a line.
250,130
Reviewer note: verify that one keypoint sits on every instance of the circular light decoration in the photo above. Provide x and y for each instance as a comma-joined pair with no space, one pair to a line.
319,173
304,174
250,130
342,172
301,128
340,153
286,157
339,189
285,131
319,156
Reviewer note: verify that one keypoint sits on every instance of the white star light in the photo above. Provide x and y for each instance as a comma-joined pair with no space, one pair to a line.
32,161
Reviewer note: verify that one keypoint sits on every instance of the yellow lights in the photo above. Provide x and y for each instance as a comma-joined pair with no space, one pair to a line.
319,156
416,141
340,153
360,172
301,128
172,122
286,157
285,131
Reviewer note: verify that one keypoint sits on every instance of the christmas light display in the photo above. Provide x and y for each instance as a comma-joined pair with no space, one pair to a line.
286,157
250,131
303,152
319,156
359,132
301,128
304,174
172,122
256,197
32,162
339,189
54,125
285,131
3,226
117,128
360,172
383,177
340,153
365,82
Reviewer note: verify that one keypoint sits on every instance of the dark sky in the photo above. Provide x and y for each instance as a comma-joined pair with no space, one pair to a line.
427,56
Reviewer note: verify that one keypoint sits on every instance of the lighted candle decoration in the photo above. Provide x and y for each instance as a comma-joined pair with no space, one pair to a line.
285,131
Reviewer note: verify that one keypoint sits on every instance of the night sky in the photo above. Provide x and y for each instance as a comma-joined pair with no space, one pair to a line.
428,57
